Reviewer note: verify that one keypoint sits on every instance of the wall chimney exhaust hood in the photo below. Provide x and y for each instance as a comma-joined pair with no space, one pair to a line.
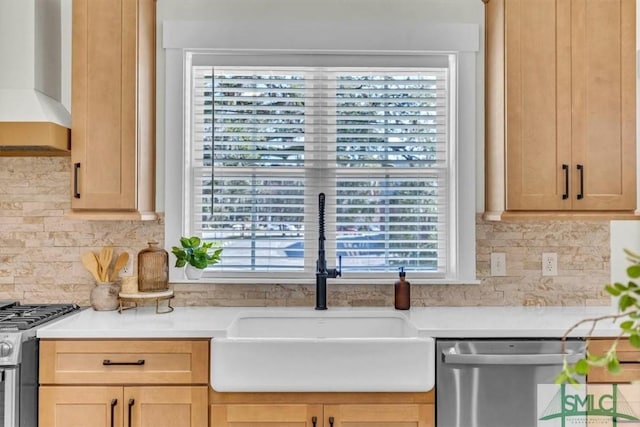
33,120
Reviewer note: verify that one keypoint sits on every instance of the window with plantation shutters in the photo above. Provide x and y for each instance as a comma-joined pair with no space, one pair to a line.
381,112
264,141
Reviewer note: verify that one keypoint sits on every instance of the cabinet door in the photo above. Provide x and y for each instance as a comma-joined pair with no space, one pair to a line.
80,406
266,415
603,93
538,103
113,122
166,406
393,415
103,104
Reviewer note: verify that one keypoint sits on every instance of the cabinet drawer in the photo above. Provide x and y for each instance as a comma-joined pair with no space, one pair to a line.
124,362
625,351
630,372
628,355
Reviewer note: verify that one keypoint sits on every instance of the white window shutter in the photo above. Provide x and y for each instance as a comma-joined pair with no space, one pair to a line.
266,141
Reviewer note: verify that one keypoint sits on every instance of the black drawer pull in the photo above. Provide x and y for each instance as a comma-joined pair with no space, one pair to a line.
581,171
565,168
130,410
76,168
114,402
107,362
331,420
314,420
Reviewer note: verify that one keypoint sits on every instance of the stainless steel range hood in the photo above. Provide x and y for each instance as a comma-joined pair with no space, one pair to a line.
33,120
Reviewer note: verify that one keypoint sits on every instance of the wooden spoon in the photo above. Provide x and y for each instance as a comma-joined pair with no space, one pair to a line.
121,261
90,262
100,271
104,260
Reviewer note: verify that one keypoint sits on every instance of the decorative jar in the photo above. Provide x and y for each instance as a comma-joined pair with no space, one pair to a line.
153,269
104,296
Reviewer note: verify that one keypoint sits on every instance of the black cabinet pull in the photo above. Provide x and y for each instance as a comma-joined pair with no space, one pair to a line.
565,169
107,362
76,168
114,402
130,410
331,421
581,192
314,421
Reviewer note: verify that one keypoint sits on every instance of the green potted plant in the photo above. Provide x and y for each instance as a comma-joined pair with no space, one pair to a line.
196,255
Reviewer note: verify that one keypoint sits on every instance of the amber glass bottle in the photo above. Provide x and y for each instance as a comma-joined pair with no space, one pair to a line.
153,269
402,291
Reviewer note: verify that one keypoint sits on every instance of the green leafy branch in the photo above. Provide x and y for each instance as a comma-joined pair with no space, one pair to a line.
628,308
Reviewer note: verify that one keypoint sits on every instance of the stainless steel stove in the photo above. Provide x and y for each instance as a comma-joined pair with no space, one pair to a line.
19,353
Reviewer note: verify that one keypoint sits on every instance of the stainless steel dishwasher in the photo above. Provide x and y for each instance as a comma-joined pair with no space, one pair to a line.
491,383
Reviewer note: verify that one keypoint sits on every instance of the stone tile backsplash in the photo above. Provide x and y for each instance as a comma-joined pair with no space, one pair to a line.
40,249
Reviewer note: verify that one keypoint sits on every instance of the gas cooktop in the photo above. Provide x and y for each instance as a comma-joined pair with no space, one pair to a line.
19,317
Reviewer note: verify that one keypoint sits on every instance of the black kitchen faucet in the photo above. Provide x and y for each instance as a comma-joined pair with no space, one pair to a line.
322,272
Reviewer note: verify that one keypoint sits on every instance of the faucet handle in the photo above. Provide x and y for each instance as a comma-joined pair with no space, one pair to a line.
332,273
337,272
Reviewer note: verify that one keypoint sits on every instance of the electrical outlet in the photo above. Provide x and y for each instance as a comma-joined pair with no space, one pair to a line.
549,264
127,270
498,264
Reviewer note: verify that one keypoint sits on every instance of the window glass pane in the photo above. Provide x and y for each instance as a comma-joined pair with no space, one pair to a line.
265,142
396,122
252,176
385,223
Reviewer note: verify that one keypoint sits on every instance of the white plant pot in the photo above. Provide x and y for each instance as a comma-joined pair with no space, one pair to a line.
193,273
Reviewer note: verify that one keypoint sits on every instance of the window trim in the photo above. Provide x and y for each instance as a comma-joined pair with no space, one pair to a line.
462,40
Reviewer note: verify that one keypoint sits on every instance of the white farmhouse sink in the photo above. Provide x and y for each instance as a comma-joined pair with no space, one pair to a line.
322,325
304,351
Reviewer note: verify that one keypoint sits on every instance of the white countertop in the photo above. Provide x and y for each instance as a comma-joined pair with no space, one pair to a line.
439,322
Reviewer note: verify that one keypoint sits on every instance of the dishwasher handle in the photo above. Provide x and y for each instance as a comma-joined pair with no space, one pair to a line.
454,358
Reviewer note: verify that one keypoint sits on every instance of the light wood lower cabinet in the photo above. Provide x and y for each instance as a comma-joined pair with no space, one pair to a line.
247,415
391,415
71,406
615,393
124,383
124,362
322,409
628,355
164,383
300,415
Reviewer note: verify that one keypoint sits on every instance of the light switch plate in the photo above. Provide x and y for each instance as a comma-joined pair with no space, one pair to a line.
498,264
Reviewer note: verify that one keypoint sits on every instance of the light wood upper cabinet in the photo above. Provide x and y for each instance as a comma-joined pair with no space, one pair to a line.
113,102
603,52
536,139
560,106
